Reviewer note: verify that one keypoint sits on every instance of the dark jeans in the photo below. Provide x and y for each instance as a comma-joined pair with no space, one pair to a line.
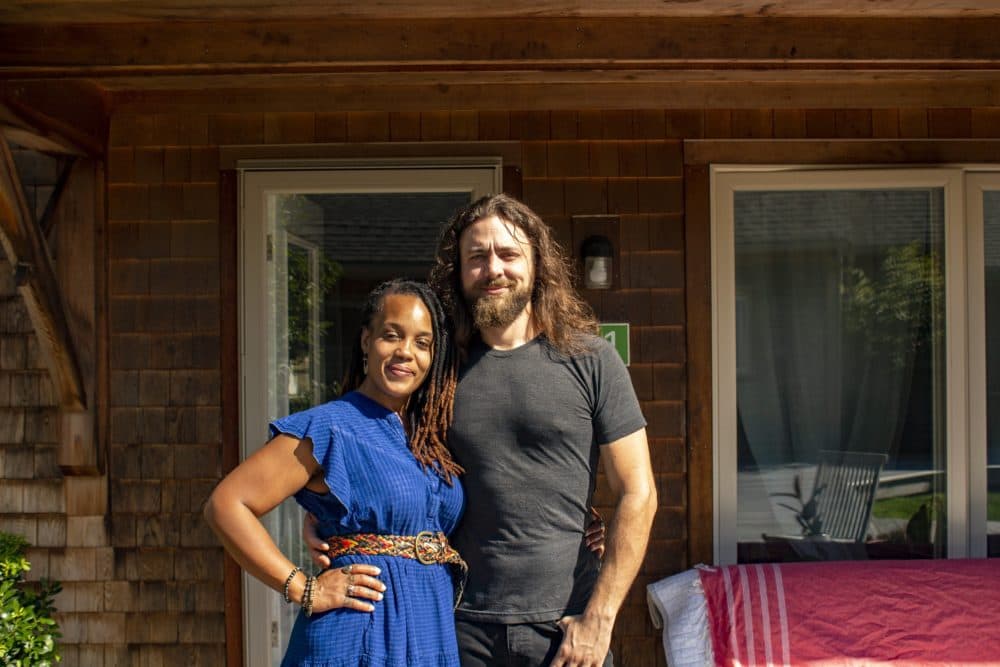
517,645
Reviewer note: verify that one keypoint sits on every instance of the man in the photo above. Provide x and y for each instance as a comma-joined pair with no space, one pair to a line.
539,399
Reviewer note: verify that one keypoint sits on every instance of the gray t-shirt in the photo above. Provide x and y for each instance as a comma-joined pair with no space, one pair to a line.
528,427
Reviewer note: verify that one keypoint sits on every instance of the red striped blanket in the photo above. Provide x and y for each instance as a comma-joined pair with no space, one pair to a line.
905,613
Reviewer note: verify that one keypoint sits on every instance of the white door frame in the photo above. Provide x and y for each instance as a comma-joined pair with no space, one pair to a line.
259,181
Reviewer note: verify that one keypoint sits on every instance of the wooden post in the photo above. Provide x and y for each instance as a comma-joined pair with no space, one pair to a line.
77,450
26,250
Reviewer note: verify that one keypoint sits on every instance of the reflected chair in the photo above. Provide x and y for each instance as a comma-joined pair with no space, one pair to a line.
842,499
849,481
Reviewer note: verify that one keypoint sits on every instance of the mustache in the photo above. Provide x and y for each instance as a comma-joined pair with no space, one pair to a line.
486,284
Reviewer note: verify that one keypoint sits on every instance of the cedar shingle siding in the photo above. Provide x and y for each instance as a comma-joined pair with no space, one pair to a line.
144,584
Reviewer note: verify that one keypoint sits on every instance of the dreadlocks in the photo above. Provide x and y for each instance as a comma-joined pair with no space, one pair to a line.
428,411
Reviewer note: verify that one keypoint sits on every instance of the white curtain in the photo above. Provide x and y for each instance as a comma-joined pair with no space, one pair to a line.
833,308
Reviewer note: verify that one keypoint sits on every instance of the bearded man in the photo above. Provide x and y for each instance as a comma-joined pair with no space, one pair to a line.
540,399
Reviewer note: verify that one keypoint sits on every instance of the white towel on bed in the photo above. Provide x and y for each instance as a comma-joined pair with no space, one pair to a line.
677,604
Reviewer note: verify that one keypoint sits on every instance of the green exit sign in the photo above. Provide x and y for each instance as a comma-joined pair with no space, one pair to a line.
617,335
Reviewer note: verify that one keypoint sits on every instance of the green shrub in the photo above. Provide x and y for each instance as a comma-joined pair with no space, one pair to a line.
28,632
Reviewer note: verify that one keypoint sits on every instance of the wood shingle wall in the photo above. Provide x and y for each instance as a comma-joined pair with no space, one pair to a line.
165,421
144,585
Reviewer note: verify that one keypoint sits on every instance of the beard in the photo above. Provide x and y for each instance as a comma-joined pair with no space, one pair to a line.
490,312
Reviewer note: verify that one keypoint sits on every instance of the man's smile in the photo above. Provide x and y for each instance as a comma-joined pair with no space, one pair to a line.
496,287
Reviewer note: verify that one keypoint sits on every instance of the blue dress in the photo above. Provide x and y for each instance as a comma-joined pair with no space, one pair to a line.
376,486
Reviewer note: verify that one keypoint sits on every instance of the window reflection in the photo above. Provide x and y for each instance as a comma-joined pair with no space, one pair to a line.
840,373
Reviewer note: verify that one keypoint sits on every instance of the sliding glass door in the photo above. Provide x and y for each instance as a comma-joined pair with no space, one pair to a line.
855,335
983,203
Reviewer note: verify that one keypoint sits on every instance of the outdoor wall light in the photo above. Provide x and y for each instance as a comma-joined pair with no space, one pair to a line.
598,268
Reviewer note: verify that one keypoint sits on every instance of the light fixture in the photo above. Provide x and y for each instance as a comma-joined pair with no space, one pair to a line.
598,269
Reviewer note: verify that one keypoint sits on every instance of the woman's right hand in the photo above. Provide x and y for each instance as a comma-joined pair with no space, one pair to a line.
352,586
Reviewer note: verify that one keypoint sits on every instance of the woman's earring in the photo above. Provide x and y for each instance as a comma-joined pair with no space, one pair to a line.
364,363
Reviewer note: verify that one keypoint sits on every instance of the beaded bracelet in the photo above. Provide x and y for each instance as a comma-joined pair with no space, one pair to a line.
288,582
307,595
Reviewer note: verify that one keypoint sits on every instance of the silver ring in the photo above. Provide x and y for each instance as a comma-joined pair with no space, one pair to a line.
346,569
350,591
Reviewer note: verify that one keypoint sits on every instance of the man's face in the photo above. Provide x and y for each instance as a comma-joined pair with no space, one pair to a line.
497,269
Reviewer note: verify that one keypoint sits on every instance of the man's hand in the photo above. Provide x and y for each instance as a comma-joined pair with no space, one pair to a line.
317,548
586,638
595,533
585,643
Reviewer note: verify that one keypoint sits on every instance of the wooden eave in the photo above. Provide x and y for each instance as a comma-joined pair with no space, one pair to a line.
520,62
288,46
574,90
96,11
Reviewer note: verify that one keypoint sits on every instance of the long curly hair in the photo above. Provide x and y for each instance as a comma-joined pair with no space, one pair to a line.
429,410
556,308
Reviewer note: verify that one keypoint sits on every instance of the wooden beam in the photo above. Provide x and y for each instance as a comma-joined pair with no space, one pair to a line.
25,248
559,90
77,445
18,133
701,152
111,11
229,357
76,219
230,157
63,117
470,42
698,305
49,219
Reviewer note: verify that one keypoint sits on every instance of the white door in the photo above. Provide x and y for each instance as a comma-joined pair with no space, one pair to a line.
313,243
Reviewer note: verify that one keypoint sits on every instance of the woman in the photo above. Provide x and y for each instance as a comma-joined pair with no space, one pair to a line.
372,467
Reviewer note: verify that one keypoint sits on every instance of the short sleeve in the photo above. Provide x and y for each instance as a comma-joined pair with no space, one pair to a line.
617,412
328,447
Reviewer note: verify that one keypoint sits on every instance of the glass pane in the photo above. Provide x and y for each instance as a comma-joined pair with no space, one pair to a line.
840,374
991,227
327,252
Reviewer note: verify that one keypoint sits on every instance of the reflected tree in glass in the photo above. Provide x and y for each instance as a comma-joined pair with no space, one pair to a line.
308,287
839,348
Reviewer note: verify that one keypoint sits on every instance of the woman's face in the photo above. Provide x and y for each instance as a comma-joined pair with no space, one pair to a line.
399,344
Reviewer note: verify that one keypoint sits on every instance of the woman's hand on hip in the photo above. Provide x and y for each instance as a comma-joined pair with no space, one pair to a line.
353,586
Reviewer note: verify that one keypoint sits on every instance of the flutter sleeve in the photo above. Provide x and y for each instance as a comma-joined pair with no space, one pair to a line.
318,425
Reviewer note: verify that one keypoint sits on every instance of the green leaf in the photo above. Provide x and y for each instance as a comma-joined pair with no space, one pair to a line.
28,633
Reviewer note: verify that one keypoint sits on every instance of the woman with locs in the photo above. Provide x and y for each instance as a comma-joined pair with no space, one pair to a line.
373,469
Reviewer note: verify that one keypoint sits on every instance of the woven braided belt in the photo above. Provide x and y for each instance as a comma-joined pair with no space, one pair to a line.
426,547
